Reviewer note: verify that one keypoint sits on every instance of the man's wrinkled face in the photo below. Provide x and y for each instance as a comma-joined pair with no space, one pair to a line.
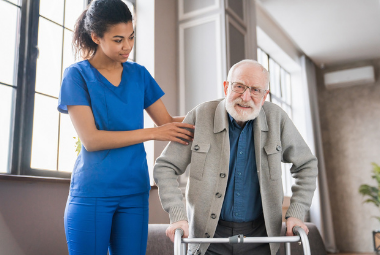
244,107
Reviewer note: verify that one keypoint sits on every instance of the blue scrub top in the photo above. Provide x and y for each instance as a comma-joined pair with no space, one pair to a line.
114,172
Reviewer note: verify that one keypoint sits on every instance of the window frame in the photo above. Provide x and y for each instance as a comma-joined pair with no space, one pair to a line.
287,179
22,131
20,148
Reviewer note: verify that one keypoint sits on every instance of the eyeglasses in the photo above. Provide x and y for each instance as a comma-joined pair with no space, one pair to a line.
241,88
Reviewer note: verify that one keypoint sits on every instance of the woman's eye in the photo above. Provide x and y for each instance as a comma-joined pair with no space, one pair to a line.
118,41
132,37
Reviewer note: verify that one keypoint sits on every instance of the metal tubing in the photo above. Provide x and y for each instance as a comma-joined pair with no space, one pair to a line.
183,248
287,249
180,247
177,241
305,241
279,239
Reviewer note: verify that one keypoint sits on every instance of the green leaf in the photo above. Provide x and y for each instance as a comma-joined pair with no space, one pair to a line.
78,145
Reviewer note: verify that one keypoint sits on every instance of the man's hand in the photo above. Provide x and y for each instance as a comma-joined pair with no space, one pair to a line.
292,222
170,231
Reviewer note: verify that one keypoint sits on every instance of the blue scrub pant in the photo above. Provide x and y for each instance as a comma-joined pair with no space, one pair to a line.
95,224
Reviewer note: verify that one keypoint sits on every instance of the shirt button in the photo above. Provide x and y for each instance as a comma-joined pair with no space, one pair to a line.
196,147
236,214
239,173
222,175
213,216
241,152
207,235
238,194
218,195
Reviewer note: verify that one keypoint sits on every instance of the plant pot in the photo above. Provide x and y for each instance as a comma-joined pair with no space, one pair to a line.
376,240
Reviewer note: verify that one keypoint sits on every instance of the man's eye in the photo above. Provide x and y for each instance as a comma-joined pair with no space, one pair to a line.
255,89
239,86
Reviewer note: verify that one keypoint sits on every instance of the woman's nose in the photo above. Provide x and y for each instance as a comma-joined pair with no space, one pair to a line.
127,45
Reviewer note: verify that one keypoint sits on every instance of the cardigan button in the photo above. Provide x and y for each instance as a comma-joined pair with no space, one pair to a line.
207,235
278,148
196,147
213,216
222,175
218,195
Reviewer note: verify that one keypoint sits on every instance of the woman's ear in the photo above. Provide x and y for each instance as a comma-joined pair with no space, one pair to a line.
95,38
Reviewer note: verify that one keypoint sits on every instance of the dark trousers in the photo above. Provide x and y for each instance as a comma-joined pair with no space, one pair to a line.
225,229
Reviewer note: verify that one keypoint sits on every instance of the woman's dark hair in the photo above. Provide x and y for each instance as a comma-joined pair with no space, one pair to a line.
97,18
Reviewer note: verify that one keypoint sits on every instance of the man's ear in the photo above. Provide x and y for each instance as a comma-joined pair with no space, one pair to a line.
95,38
265,97
225,85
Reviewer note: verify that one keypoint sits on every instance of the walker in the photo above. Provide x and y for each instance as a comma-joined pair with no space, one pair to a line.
301,237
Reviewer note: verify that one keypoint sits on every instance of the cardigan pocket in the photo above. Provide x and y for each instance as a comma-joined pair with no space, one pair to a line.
198,159
273,152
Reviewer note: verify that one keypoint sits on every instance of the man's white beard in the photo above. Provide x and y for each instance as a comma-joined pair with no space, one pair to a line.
242,115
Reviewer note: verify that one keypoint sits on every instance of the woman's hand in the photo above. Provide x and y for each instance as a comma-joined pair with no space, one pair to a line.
175,132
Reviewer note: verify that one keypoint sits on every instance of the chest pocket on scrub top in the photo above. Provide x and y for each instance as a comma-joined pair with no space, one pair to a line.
198,159
273,152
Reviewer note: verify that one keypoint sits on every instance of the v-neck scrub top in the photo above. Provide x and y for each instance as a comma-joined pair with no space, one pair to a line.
115,172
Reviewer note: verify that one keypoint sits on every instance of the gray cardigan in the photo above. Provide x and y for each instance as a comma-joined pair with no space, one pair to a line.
276,139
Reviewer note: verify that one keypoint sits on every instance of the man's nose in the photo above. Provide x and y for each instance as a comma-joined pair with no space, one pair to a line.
246,96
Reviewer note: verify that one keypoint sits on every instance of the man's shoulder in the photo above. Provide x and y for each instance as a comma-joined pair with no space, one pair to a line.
207,106
271,108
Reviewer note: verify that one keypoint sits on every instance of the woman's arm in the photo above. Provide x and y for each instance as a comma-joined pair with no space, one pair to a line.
159,114
94,139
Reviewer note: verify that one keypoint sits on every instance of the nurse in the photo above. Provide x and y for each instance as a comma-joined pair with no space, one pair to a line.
105,96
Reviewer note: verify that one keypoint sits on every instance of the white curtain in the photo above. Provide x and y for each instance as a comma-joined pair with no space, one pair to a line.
320,213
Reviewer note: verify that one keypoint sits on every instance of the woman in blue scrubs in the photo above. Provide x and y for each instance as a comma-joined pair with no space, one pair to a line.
105,96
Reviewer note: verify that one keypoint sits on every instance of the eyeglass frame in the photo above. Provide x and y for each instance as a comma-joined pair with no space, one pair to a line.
262,91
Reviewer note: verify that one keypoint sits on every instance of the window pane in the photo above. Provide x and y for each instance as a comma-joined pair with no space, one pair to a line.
68,55
48,77
284,93
6,102
275,78
45,133
288,88
52,10
73,9
67,144
8,47
18,2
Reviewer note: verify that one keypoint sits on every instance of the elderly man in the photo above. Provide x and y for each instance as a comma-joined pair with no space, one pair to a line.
235,185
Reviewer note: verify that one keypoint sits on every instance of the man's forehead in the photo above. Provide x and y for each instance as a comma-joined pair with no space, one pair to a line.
249,79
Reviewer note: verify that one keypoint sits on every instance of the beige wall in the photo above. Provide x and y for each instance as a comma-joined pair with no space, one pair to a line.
31,216
350,124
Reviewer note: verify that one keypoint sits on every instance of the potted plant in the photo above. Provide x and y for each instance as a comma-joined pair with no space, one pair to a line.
372,193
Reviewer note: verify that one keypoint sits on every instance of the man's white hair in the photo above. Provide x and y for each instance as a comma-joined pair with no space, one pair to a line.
250,62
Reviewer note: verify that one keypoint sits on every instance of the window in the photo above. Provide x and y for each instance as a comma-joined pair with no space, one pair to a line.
280,94
35,139
10,12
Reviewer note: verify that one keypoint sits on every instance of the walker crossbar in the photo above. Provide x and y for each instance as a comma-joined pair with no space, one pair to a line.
301,236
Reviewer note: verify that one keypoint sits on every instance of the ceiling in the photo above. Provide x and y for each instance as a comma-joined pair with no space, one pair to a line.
330,31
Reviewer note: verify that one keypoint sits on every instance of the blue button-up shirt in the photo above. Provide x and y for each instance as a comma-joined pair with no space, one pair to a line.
242,202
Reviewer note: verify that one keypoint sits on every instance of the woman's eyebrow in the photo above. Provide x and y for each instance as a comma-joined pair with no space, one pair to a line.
119,36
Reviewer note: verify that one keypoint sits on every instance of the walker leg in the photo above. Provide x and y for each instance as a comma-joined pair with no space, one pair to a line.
183,249
287,249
